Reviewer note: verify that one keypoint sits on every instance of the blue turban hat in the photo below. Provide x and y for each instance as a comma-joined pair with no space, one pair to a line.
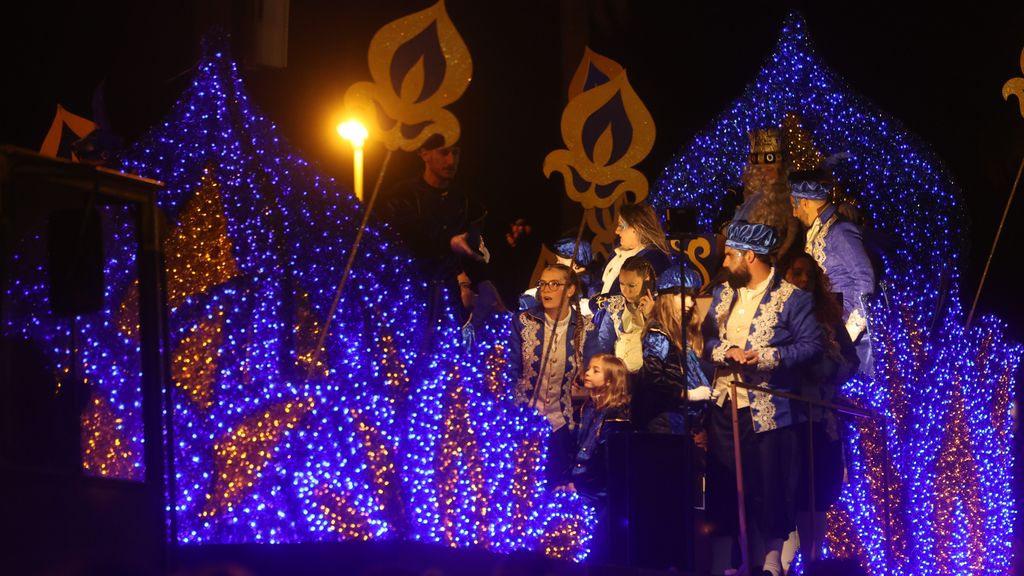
758,238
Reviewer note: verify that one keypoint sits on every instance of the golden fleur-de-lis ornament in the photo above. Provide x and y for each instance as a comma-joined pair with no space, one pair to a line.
1015,87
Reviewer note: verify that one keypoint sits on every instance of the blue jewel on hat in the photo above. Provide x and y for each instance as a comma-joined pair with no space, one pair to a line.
758,238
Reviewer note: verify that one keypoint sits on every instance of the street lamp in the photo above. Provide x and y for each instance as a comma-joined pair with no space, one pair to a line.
355,133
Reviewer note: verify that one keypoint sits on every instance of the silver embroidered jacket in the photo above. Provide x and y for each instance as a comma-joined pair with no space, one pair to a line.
787,337
525,349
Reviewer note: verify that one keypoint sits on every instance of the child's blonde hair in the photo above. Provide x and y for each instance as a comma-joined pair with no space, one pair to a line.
615,393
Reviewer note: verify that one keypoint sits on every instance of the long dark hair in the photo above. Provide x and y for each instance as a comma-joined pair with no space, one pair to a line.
827,309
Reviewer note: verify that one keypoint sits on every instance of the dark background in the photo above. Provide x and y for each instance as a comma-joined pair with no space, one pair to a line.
938,69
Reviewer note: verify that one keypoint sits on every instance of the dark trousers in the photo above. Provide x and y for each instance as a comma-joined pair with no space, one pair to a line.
828,468
561,457
770,474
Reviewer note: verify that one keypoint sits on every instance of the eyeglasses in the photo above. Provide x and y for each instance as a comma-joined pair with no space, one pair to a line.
550,285
621,225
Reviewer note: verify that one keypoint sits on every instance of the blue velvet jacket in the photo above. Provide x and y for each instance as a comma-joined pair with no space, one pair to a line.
525,348
838,248
589,472
787,337
658,386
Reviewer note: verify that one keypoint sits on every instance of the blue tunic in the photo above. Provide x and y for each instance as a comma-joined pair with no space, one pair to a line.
787,337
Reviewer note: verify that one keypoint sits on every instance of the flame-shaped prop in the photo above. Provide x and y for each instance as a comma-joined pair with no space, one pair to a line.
419,65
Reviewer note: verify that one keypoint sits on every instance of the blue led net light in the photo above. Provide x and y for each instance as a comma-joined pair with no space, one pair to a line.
927,381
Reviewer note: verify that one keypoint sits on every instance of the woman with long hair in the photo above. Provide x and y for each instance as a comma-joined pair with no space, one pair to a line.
822,380
669,378
621,318
640,234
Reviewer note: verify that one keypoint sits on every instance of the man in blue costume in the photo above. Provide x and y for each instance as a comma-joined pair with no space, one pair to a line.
837,246
760,330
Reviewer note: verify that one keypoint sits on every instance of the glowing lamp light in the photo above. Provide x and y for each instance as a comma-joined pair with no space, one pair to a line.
355,133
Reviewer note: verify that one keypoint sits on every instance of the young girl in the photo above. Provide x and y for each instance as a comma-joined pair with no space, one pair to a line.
606,411
549,344
621,318
659,394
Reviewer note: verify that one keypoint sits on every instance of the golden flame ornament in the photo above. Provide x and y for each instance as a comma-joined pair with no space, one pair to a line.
419,64
56,144
607,130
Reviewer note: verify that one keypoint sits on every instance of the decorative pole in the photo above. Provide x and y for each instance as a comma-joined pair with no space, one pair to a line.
1013,87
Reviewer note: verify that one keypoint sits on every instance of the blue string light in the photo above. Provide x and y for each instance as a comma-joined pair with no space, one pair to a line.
950,507
379,443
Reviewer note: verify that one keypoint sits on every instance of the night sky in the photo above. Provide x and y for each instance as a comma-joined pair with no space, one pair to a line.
937,69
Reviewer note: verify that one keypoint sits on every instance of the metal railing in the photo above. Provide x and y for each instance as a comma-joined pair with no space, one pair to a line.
845,409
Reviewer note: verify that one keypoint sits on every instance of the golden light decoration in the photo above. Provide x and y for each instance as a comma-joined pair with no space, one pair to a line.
886,491
459,457
246,449
801,153
957,485
342,517
199,252
127,316
495,369
1015,87
305,335
561,538
387,486
194,364
105,450
524,482
843,539
396,376
419,64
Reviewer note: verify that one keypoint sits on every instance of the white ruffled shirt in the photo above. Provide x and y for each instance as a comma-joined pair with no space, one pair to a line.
611,269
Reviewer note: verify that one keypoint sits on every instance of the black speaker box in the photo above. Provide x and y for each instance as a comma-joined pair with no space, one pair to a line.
650,500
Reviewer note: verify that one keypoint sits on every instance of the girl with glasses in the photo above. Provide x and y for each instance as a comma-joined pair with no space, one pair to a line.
549,347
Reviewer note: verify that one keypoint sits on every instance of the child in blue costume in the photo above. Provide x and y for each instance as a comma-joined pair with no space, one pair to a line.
605,412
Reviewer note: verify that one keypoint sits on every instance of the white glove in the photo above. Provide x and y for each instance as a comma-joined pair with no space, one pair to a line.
699,394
